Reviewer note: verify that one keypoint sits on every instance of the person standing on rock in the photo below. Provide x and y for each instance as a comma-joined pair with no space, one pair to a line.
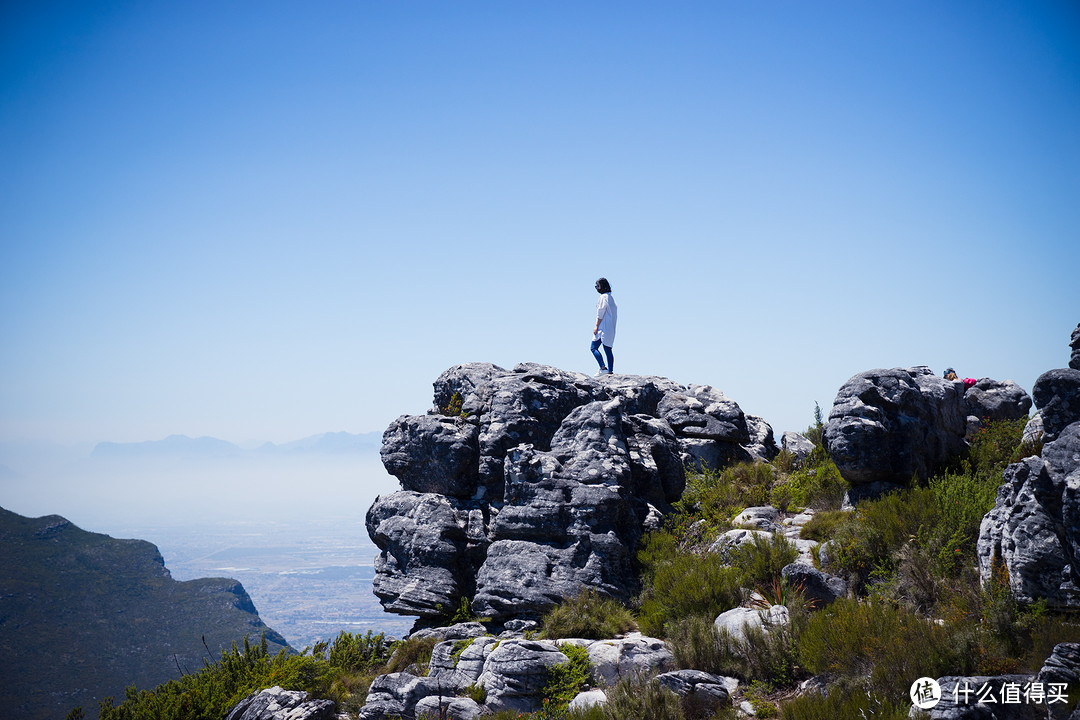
607,314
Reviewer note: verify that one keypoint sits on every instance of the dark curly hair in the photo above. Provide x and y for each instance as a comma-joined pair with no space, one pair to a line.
603,286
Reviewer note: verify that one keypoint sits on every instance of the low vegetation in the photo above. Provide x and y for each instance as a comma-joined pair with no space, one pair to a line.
341,670
916,606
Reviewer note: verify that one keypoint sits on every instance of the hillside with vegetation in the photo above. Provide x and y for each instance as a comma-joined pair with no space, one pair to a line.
916,606
84,615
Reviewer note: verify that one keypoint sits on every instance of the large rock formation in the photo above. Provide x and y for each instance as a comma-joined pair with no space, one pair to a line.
512,672
1074,343
1032,535
523,486
887,426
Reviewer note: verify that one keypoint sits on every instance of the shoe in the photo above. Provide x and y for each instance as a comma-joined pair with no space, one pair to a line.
602,371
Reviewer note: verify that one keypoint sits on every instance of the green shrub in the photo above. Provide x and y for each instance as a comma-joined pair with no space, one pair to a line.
642,699
818,485
696,645
761,560
823,525
843,702
341,670
995,445
714,496
566,680
412,651
476,693
768,657
588,615
888,646
679,584
867,542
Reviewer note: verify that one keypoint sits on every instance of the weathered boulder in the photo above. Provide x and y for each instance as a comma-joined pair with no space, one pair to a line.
588,698
423,540
763,517
632,656
889,425
960,699
1074,343
459,663
433,454
738,537
762,444
702,411
522,486
819,588
1033,531
736,621
992,400
702,691
1033,430
397,694
796,444
1063,665
516,671
1057,395
277,704
442,707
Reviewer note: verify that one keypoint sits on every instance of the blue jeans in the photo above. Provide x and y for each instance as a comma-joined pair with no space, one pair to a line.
595,347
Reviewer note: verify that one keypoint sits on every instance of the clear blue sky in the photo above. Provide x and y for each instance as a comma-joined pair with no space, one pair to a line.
266,220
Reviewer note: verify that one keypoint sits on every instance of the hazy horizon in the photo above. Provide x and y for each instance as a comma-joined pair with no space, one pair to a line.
266,220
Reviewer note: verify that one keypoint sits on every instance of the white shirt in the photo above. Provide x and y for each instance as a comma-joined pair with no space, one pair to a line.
607,312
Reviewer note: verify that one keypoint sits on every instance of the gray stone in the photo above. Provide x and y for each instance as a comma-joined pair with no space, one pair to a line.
1074,343
1057,396
656,465
737,538
702,411
819,589
277,704
527,406
459,663
422,538
632,656
459,631
435,707
762,445
957,704
1033,431
1062,667
995,400
516,671
1034,528
735,622
541,484
587,699
796,444
396,695
763,517
889,425
703,692
433,454
473,382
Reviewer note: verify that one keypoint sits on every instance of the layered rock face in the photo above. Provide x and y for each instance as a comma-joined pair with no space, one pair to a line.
523,486
889,425
1033,532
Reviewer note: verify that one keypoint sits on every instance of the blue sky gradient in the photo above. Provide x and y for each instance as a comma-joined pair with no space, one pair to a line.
270,220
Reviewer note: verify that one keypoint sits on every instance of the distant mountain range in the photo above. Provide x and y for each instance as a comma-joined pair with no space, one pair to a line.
84,615
331,443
